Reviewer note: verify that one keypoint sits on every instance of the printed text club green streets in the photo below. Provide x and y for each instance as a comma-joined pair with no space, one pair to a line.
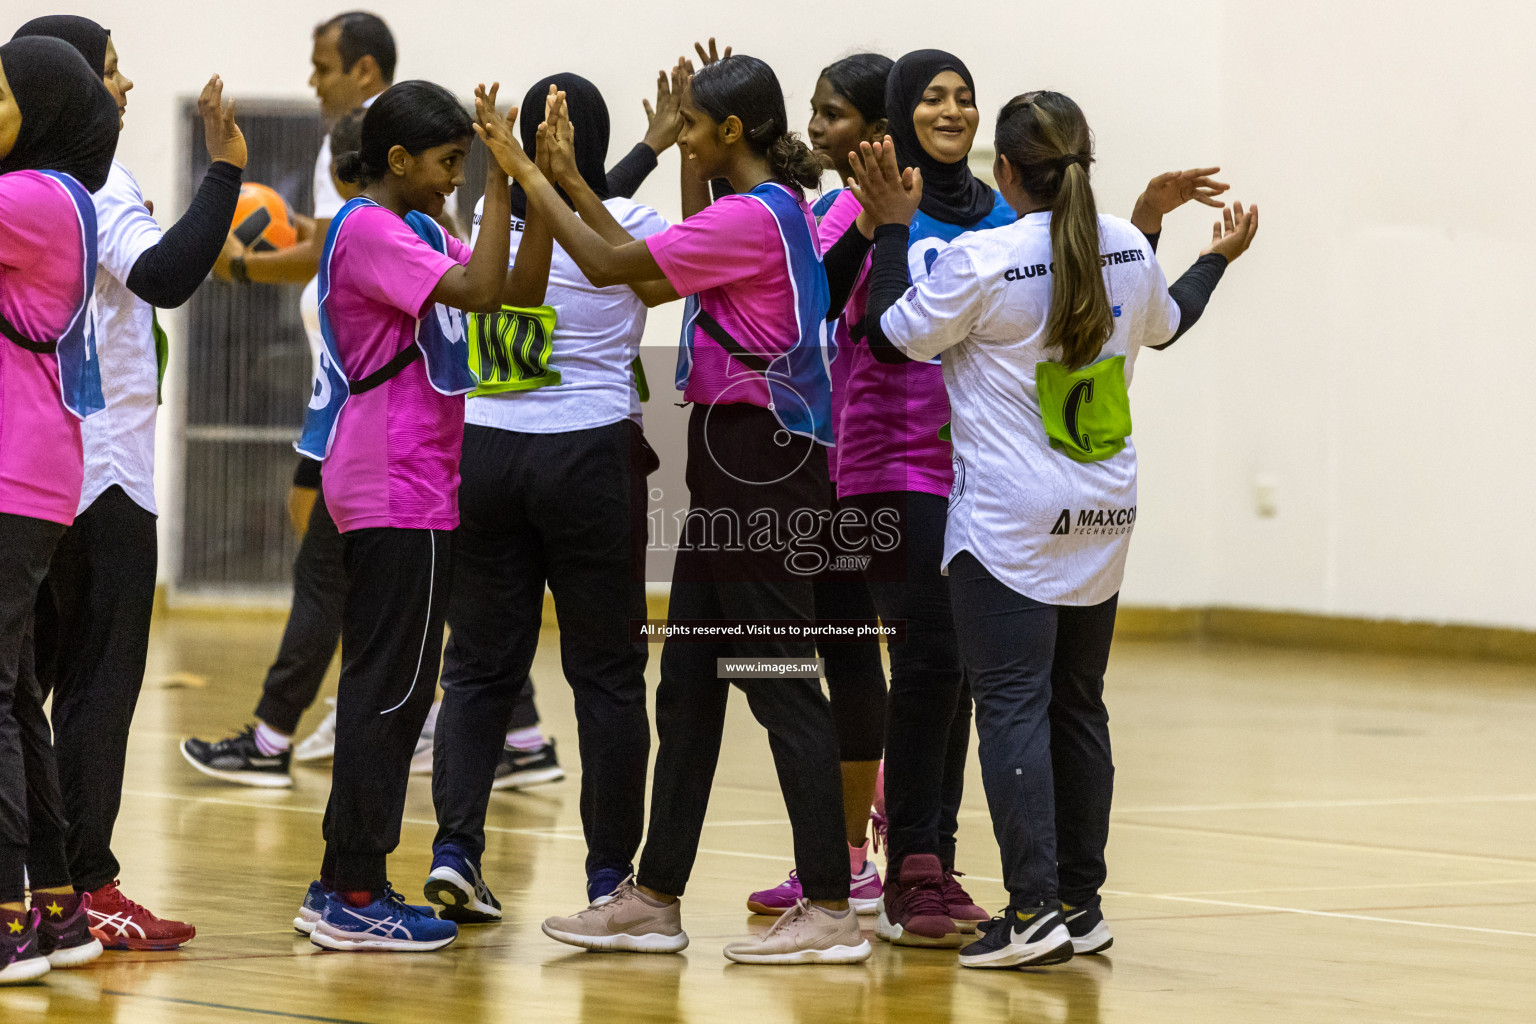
1108,521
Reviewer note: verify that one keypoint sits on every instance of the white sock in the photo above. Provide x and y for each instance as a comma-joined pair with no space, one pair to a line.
529,739
271,742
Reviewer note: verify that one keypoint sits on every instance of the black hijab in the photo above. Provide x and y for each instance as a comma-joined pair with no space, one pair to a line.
589,117
89,38
68,119
951,193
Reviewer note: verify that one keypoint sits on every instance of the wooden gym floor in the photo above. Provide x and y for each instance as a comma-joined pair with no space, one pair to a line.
1297,836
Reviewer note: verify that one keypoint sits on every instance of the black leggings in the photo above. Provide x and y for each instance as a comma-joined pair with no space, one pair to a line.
855,675
928,713
31,806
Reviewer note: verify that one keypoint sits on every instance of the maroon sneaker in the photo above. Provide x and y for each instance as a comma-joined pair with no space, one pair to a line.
912,908
121,923
962,909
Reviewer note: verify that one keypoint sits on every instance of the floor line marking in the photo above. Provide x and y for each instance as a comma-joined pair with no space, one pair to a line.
226,1006
1288,805
1332,843
1355,888
1325,913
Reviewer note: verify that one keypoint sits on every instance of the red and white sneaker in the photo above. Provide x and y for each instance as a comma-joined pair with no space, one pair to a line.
121,923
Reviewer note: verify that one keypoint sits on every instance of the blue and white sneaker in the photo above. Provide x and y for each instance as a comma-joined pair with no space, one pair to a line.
388,923
455,888
311,909
1021,937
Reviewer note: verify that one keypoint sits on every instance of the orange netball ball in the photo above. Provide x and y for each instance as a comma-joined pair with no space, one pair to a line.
261,220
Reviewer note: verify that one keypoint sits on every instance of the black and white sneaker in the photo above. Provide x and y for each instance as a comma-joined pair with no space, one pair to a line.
1031,937
238,759
1089,930
519,769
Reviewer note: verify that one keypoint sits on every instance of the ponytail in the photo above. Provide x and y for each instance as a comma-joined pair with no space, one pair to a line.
746,88
793,163
1045,137
415,115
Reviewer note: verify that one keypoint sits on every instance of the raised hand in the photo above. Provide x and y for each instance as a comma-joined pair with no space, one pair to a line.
888,194
1233,234
1172,189
225,140
665,120
557,138
711,56
497,134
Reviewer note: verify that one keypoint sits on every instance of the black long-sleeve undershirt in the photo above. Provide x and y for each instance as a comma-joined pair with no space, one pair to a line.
169,272
626,176
889,282
842,263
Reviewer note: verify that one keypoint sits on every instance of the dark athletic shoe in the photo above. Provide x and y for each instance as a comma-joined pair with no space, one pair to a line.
1090,932
519,769
456,889
65,939
238,759
1021,937
21,958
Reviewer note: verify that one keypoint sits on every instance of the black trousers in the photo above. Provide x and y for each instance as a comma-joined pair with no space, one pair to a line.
314,625
928,712
740,467
92,639
855,674
1038,674
32,828
565,509
391,644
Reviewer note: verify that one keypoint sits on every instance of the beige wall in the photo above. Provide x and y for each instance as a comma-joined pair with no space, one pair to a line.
1369,360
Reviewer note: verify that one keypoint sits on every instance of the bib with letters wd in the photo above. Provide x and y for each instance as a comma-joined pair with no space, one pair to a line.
440,341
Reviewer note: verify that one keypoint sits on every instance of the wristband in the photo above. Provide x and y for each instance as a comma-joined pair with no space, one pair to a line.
237,271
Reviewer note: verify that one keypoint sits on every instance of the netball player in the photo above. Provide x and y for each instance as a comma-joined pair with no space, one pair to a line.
1030,319
753,261
58,131
552,493
93,614
847,107
390,409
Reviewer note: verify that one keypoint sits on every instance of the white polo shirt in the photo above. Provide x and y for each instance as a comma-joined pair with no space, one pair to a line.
597,336
119,442
1051,528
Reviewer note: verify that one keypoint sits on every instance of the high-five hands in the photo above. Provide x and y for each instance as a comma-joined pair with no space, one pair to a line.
888,194
665,120
1233,234
557,140
497,134
225,140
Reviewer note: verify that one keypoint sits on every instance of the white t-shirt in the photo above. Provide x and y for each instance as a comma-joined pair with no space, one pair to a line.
597,336
120,441
1048,527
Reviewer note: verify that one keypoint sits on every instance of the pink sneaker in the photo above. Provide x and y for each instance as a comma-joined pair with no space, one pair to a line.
962,909
864,888
777,900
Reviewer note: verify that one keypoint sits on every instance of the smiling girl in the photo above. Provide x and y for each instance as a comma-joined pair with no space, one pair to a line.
387,418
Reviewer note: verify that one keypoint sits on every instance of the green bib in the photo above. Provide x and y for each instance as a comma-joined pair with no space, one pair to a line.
509,350
162,354
1087,412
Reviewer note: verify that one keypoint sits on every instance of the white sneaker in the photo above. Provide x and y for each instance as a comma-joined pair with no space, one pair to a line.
806,934
319,745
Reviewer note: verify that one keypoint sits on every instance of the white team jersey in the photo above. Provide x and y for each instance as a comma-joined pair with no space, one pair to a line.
1051,528
119,442
597,336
